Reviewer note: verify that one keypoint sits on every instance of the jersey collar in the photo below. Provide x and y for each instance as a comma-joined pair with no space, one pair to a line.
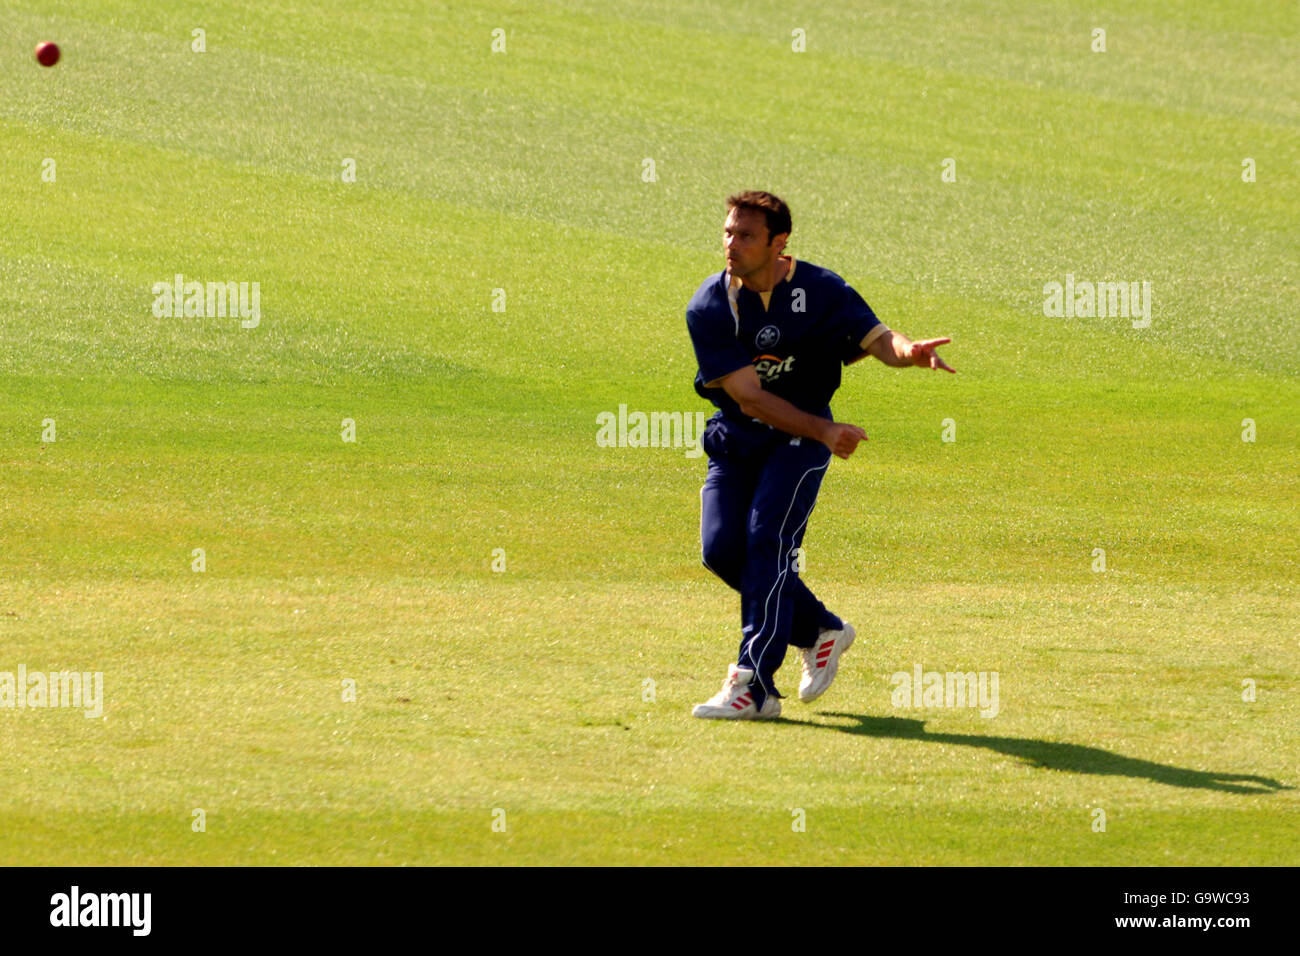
734,287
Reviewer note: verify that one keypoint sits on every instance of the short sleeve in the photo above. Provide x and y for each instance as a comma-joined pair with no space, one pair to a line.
853,321
717,349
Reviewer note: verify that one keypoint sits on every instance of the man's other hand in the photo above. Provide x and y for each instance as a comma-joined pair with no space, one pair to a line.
842,438
923,355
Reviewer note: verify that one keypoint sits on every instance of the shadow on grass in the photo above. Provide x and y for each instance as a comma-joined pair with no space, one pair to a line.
1074,758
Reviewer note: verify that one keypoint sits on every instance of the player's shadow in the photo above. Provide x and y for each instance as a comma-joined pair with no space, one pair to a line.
1073,758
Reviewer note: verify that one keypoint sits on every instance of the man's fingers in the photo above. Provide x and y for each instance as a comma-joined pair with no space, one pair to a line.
849,440
846,439
924,354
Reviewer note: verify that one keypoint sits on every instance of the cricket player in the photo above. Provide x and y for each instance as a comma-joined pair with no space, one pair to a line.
770,335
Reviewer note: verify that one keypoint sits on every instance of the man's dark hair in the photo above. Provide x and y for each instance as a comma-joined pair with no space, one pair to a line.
776,212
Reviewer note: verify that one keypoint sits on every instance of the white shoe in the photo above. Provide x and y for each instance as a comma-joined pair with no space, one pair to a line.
822,660
736,701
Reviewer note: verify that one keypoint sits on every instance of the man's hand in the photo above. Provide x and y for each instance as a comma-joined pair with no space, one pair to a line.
747,392
923,355
842,438
898,351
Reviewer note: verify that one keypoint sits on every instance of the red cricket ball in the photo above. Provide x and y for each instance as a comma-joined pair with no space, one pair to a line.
47,53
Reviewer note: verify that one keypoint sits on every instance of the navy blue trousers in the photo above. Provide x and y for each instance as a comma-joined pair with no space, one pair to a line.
757,497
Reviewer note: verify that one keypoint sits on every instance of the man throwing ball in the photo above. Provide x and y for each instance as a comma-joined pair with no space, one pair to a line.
770,335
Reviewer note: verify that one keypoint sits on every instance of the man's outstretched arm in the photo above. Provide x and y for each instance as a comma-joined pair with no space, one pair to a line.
747,391
897,350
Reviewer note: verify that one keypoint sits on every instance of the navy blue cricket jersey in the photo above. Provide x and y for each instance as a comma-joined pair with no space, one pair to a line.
797,337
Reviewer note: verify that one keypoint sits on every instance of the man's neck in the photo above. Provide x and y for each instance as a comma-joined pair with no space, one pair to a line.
765,280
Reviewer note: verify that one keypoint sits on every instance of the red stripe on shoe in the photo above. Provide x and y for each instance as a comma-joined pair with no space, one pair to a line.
822,655
821,663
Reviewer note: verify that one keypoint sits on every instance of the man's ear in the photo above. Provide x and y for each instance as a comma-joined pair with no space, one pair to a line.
779,240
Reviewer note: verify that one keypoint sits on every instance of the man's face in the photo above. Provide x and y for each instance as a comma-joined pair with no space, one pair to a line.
745,242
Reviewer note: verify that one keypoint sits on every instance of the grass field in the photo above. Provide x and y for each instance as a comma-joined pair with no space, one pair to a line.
524,690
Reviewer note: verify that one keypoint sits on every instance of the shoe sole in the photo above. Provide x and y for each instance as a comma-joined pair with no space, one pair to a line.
833,662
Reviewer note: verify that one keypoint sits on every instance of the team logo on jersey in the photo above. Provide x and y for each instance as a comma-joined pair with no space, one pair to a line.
768,336
770,367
